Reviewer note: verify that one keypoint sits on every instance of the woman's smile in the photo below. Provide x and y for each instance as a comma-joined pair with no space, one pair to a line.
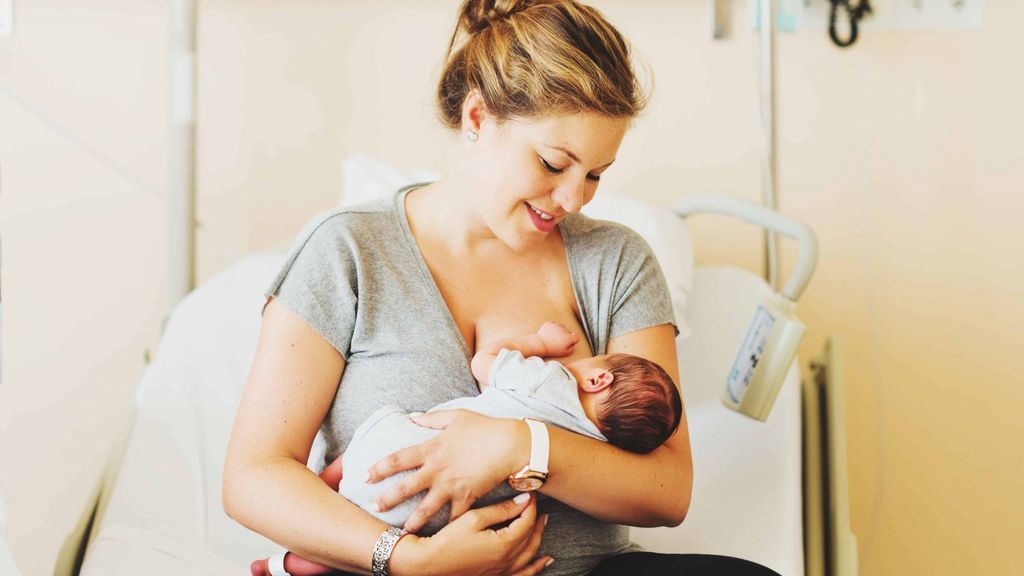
542,221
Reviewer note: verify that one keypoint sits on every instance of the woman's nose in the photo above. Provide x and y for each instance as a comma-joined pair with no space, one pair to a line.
570,196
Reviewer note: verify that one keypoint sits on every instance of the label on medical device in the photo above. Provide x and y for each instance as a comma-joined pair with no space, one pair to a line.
749,354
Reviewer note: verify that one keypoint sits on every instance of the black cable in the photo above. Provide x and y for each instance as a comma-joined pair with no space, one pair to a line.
855,14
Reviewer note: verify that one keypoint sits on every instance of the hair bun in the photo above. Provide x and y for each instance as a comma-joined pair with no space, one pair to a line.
530,58
478,15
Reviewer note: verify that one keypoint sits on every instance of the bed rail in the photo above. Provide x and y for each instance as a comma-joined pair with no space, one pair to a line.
72,552
770,220
830,548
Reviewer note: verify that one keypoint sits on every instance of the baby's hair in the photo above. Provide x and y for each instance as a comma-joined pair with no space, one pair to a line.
643,408
531,58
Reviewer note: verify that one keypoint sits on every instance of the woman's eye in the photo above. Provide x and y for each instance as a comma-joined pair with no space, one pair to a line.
551,168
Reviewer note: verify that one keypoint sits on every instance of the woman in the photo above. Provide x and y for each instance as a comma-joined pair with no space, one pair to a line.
385,302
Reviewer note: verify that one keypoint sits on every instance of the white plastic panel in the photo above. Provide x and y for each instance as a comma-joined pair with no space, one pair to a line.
6,18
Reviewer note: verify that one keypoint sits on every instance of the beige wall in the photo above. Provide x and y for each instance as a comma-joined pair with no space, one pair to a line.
82,146
902,152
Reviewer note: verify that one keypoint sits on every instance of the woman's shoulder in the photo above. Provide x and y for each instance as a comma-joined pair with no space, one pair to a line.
357,222
352,215
585,235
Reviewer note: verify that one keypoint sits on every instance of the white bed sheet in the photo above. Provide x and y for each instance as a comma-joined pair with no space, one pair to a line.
747,478
165,514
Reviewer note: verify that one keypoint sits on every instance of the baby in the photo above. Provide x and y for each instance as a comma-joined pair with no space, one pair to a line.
622,399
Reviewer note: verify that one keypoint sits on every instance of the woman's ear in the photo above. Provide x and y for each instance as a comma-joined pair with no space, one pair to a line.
474,112
599,381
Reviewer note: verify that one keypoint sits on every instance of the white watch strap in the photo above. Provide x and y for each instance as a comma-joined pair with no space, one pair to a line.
539,444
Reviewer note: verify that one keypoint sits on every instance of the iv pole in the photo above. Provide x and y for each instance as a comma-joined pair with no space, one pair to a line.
182,145
769,163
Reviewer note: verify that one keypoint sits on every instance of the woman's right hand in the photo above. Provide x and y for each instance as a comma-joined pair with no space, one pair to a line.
468,545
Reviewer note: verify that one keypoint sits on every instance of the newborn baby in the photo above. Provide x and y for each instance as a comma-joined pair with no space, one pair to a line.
618,398
622,399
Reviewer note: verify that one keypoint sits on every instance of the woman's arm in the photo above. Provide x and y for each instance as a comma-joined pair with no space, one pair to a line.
594,477
268,488
616,485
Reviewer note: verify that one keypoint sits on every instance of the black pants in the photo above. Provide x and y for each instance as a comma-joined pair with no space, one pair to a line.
653,564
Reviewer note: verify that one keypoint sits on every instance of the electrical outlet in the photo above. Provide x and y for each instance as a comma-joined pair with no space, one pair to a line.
938,14
899,14
6,18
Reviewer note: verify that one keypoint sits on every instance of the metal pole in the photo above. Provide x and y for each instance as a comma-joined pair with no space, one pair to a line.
182,134
769,175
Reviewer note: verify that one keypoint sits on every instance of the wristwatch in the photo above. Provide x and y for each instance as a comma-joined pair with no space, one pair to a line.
533,475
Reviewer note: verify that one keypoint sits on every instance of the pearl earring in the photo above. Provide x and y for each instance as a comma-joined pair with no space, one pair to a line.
472,136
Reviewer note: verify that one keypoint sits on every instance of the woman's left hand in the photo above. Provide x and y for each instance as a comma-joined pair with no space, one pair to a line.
472,455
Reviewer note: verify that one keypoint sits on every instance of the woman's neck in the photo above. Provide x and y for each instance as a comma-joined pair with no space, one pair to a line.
443,213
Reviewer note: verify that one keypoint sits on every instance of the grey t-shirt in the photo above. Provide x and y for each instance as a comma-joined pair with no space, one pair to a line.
357,277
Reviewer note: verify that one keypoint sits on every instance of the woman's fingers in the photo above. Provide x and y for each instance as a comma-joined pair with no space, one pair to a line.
523,508
460,506
534,567
404,459
407,487
436,420
525,559
526,555
431,504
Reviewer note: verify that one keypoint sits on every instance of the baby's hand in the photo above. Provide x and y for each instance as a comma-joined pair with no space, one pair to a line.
558,339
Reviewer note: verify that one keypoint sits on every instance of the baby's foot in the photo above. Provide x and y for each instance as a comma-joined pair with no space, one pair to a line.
558,339
294,565
259,568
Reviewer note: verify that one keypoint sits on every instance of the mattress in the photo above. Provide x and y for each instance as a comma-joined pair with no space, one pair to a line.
747,475
164,514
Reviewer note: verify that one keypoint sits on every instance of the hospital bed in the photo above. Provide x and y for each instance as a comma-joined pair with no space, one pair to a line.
158,511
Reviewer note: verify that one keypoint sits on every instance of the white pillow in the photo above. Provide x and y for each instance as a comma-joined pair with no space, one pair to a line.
364,178
669,239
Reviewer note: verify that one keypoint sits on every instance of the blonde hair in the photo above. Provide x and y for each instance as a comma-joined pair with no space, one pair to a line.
529,58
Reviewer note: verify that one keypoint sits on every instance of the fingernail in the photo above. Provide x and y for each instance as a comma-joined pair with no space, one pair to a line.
522,498
545,519
415,414
376,507
549,562
368,479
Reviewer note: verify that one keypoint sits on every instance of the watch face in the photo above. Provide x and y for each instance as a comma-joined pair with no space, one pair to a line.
526,484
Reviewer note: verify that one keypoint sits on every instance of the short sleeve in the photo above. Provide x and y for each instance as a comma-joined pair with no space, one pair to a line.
640,298
319,280
512,371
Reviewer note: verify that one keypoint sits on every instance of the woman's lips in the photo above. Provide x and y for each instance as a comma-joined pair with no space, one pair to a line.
538,222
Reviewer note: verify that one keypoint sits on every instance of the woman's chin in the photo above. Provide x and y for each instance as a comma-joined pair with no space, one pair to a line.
521,242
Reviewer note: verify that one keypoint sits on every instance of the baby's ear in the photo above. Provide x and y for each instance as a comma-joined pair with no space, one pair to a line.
600,381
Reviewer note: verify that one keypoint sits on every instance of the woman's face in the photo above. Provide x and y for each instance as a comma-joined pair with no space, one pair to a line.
537,171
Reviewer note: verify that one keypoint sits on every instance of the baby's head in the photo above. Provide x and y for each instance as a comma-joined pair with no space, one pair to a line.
633,401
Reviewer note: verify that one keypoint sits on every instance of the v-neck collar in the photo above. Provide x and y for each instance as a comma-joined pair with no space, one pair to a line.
425,274
567,240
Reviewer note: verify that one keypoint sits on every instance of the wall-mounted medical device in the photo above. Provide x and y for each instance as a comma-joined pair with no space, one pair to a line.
769,347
